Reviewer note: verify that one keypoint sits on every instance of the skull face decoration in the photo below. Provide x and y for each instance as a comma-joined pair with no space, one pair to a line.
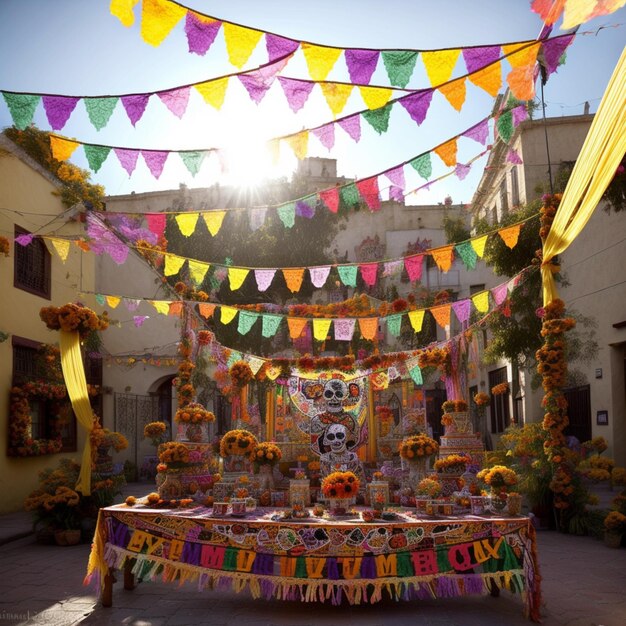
335,394
336,438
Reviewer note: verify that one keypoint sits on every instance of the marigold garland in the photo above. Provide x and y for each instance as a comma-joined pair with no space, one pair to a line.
73,317
418,446
240,374
452,462
340,485
194,413
238,442
500,390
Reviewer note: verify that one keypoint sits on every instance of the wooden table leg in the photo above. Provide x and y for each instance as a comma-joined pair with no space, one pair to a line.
106,597
129,577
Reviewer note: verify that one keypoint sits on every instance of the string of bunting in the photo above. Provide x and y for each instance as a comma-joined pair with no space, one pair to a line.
484,71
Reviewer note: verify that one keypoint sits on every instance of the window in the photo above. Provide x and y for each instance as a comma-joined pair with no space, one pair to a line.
504,198
500,412
476,288
514,187
32,266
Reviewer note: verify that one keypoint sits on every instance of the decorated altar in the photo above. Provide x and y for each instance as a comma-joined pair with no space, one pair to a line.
270,555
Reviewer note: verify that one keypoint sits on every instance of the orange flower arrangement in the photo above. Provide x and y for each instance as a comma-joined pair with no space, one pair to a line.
452,462
482,399
418,446
428,487
434,357
266,453
154,431
447,419
194,413
173,454
498,477
4,246
454,406
73,317
340,485
238,442
240,374
500,390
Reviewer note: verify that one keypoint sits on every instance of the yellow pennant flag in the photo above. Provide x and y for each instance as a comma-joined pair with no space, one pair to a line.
455,93
439,64
113,301
227,314
187,223
197,270
272,372
510,235
417,319
213,220
521,78
296,326
158,17
481,301
236,276
375,97
321,328
206,309
173,264
447,152
479,245
214,91
488,78
123,11
62,247
299,143
320,59
240,42
443,257
62,149
336,96
442,315
293,278
368,327
519,55
162,306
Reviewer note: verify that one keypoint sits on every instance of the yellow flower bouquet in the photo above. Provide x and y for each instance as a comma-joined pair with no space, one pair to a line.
266,453
418,446
238,442
428,487
454,463
194,413
341,485
498,477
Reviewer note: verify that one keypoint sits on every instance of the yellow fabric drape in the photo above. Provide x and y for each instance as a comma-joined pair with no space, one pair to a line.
62,149
74,375
599,157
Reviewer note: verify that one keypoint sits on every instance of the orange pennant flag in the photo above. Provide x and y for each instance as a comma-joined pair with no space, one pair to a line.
521,78
299,143
442,314
368,327
176,308
488,78
296,326
439,64
62,149
205,309
320,59
293,278
443,257
447,152
454,92
510,235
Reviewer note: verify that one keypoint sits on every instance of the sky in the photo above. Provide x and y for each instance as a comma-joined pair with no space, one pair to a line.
73,47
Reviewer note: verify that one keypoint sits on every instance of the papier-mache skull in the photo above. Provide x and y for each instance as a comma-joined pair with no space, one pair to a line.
335,438
335,394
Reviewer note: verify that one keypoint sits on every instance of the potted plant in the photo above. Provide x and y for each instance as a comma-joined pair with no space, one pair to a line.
416,451
59,511
341,489
614,528
499,478
264,457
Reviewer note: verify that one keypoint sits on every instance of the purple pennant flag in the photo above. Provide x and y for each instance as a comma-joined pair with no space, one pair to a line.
461,170
279,46
155,160
326,135
131,304
139,319
396,193
396,176
417,105
25,239
296,91
58,109
117,251
344,329
461,309
259,81
135,106
176,100
477,58
519,114
514,157
499,294
553,51
128,158
352,125
200,34
304,209
478,132
361,65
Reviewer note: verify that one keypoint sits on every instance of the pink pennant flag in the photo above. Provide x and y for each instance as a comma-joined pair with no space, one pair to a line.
413,266
264,278
499,294
352,126
127,158
461,170
58,109
155,160
135,106
330,197
396,176
278,46
344,329
462,309
368,189
176,100
156,223
478,132
200,32
139,320
319,275
514,157
417,105
396,193
326,135
519,114
368,273
297,92
361,65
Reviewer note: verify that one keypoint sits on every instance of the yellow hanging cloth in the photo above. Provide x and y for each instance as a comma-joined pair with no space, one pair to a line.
299,143
320,59
158,17
240,42
481,301
213,91
439,65
595,167
479,245
187,223
173,264
74,376
123,11
336,96
375,97
62,149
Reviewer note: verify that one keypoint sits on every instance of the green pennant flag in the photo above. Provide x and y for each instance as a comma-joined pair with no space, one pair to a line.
416,374
234,357
378,119
467,253
96,155
422,165
349,196
505,126
270,325
399,65
246,321
348,273
193,160
100,299
394,323
100,110
22,108
287,214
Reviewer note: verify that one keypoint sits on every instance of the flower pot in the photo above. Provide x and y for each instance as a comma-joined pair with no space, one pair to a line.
497,503
612,539
67,537
266,477
514,504
194,432
339,506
